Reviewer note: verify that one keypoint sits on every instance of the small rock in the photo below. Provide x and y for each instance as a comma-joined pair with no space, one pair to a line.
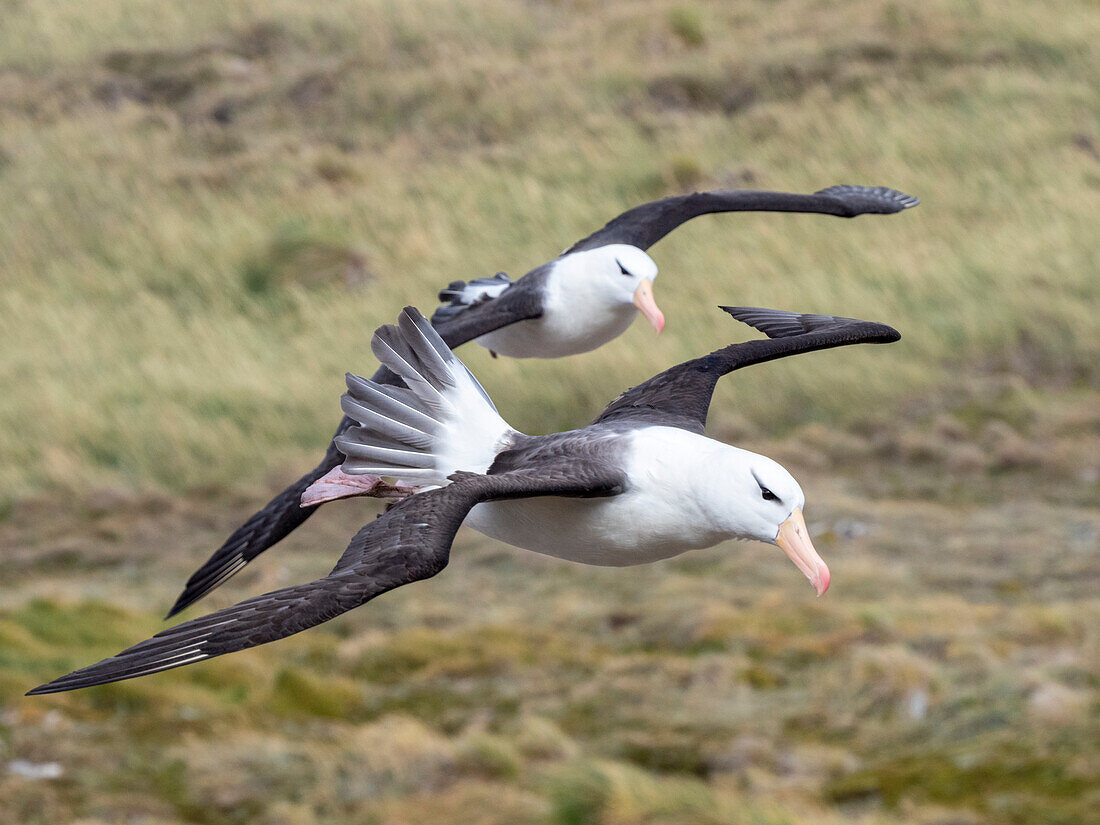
916,704
235,66
1082,535
35,770
54,721
1055,704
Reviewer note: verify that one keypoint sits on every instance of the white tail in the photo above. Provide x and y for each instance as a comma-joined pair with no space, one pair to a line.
441,421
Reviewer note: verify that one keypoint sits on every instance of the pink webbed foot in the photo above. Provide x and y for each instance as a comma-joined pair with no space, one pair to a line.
338,484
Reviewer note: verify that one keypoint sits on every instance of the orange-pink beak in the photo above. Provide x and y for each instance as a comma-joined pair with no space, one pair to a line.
643,300
794,539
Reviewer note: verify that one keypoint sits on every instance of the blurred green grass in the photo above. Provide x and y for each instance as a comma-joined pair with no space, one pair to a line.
210,207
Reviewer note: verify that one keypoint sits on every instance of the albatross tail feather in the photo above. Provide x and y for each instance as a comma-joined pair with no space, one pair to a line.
459,295
440,422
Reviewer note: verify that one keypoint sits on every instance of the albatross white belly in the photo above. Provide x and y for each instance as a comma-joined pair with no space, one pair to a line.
561,332
657,517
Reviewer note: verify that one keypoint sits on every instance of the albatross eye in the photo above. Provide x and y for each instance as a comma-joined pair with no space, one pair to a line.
767,494
622,269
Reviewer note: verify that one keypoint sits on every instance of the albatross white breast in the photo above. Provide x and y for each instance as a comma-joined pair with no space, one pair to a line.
680,494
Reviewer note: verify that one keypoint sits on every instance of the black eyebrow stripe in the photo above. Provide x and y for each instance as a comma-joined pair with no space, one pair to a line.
764,488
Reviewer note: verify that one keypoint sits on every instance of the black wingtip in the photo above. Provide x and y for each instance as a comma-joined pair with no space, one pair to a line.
184,600
205,580
889,335
779,323
191,594
199,585
864,200
57,685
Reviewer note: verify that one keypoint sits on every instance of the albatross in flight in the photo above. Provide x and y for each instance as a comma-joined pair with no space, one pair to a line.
579,301
639,484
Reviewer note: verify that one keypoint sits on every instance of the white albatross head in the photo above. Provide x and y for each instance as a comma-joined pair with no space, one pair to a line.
622,274
758,499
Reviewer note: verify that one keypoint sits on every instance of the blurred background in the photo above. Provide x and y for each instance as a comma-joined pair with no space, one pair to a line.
205,210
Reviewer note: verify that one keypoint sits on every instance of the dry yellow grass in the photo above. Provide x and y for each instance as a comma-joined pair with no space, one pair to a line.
155,162
948,676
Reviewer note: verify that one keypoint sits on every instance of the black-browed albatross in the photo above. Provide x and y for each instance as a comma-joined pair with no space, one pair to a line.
579,301
640,483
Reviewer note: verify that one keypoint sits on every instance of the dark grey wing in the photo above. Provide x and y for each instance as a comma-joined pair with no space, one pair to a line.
408,543
644,225
680,396
283,514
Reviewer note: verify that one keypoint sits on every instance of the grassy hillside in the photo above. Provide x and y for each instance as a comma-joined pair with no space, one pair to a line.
207,209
